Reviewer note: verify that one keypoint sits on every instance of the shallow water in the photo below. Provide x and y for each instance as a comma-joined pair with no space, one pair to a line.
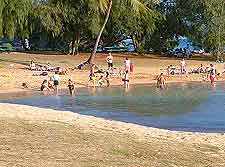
185,107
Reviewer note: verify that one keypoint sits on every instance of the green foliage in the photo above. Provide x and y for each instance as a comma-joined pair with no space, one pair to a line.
214,11
14,17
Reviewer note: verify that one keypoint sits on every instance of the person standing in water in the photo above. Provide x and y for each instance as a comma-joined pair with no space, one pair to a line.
126,79
109,60
71,87
212,73
92,77
161,82
56,81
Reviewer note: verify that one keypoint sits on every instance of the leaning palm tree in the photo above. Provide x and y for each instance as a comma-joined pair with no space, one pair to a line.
106,6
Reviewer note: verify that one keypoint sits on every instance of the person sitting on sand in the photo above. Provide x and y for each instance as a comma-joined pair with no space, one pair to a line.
71,87
44,85
32,65
161,81
24,85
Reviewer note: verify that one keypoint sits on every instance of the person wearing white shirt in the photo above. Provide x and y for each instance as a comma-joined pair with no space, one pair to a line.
182,65
56,79
127,64
109,60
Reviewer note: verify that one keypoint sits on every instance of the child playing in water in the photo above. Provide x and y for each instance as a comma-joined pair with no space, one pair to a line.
44,85
107,78
71,87
101,80
51,84
92,78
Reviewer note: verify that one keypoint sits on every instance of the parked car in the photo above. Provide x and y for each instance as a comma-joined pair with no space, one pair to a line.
6,47
179,53
113,48
198,51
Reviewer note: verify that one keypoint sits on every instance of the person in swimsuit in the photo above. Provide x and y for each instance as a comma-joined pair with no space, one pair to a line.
92,78
212,73
56,81
71,87
101,81
44,85
107,78
109,60
51,84
126,79
161,81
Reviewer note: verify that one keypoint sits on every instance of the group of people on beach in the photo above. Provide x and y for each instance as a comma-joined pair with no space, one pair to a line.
210,71
106,74
52,83
99,77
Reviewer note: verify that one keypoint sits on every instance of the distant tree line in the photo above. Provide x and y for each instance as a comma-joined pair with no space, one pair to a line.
85,24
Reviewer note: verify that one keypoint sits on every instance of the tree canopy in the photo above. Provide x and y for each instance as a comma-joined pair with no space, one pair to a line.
153,24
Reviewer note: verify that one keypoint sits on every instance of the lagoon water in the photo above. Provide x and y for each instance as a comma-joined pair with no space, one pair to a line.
185,107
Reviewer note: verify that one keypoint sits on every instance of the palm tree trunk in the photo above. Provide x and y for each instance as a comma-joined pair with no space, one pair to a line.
93,54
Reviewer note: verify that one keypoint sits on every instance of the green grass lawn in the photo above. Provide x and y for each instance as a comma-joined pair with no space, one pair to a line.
26,143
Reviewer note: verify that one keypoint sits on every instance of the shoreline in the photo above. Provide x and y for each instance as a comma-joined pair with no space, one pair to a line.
30,113
80,85
32,92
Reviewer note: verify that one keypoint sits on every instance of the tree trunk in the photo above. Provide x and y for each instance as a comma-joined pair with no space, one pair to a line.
77,43
93,54
134,42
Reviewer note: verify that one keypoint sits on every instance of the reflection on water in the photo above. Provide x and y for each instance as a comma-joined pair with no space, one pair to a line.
189,107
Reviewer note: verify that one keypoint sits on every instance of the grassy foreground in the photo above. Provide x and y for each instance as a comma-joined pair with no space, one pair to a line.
48,142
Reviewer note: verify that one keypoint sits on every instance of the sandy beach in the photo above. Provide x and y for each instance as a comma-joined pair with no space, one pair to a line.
34,136
13,70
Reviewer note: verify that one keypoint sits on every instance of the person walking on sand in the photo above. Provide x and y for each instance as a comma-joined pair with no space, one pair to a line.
56,81
182,65
109,60
161,82
127,65
212,73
